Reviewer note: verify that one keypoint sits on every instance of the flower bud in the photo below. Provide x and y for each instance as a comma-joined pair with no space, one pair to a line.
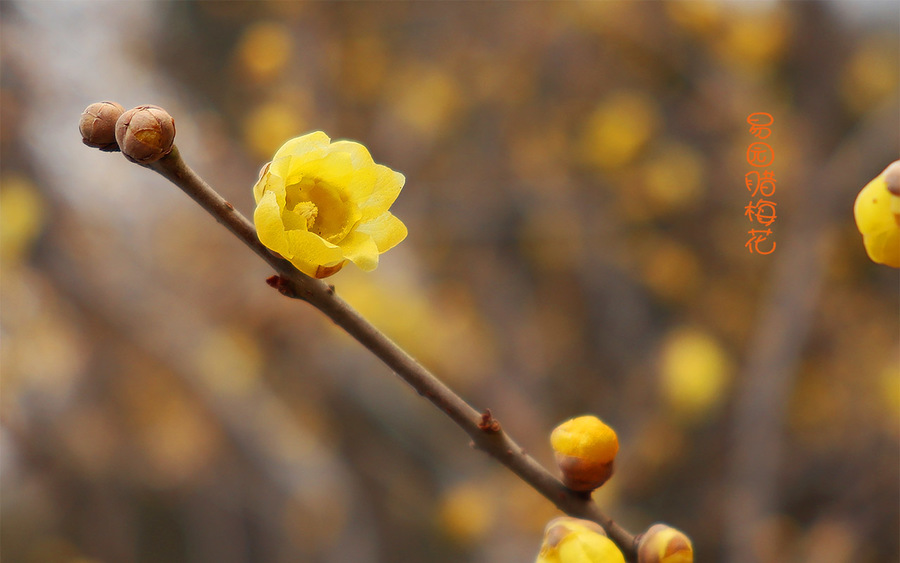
877,214
663,544
571,540
145,134
585,449
98,125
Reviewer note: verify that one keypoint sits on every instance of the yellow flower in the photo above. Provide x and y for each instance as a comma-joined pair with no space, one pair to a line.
585,449
320,204
877,213
570,540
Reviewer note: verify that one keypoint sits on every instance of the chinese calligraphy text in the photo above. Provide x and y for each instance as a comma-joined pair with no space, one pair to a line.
760,183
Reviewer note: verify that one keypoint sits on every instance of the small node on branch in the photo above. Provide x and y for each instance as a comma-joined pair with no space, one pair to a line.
279,283
98,125
488,423
145,134
283,285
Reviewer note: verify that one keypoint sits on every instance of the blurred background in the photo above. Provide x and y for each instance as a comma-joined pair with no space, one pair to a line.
575,201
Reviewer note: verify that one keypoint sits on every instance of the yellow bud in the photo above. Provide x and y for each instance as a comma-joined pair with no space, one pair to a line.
877,214
664,544
571,540
145,134
98,125
585,449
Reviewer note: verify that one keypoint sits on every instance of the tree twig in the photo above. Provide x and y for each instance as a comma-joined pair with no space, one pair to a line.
484,430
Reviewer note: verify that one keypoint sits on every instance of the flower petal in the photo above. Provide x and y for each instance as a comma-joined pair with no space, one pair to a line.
359,153
269,227
308,251
333,169
360,249
303,144
270,182
385,191
883,247
277,171
386,231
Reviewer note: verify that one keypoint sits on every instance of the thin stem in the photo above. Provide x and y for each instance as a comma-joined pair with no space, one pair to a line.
484,430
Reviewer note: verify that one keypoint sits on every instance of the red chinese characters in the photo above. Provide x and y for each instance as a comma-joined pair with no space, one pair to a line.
760,124
761,185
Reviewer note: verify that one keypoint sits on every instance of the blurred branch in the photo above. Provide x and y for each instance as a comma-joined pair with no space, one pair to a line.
484,430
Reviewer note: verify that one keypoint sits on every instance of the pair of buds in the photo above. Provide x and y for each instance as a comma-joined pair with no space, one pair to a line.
144,134
571,540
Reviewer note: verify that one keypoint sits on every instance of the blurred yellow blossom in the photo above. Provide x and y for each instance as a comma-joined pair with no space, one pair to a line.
466,512
619,127
266,124
752,41
888,383
872,73
701,17
364,62
320,204
877,213
570,540
674,178
426,98
695,372
229,361
21,217
264,49
671,270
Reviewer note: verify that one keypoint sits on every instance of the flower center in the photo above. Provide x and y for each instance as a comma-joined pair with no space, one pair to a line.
308,211
324,209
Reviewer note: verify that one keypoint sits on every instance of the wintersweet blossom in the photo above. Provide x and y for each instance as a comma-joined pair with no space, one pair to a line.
570,540
321,203
877,213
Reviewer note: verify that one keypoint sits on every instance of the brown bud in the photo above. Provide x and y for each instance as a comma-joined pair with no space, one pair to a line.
98,125
583,475
145,134
664,544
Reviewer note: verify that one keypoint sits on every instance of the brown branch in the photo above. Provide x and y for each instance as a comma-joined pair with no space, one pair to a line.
484,430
